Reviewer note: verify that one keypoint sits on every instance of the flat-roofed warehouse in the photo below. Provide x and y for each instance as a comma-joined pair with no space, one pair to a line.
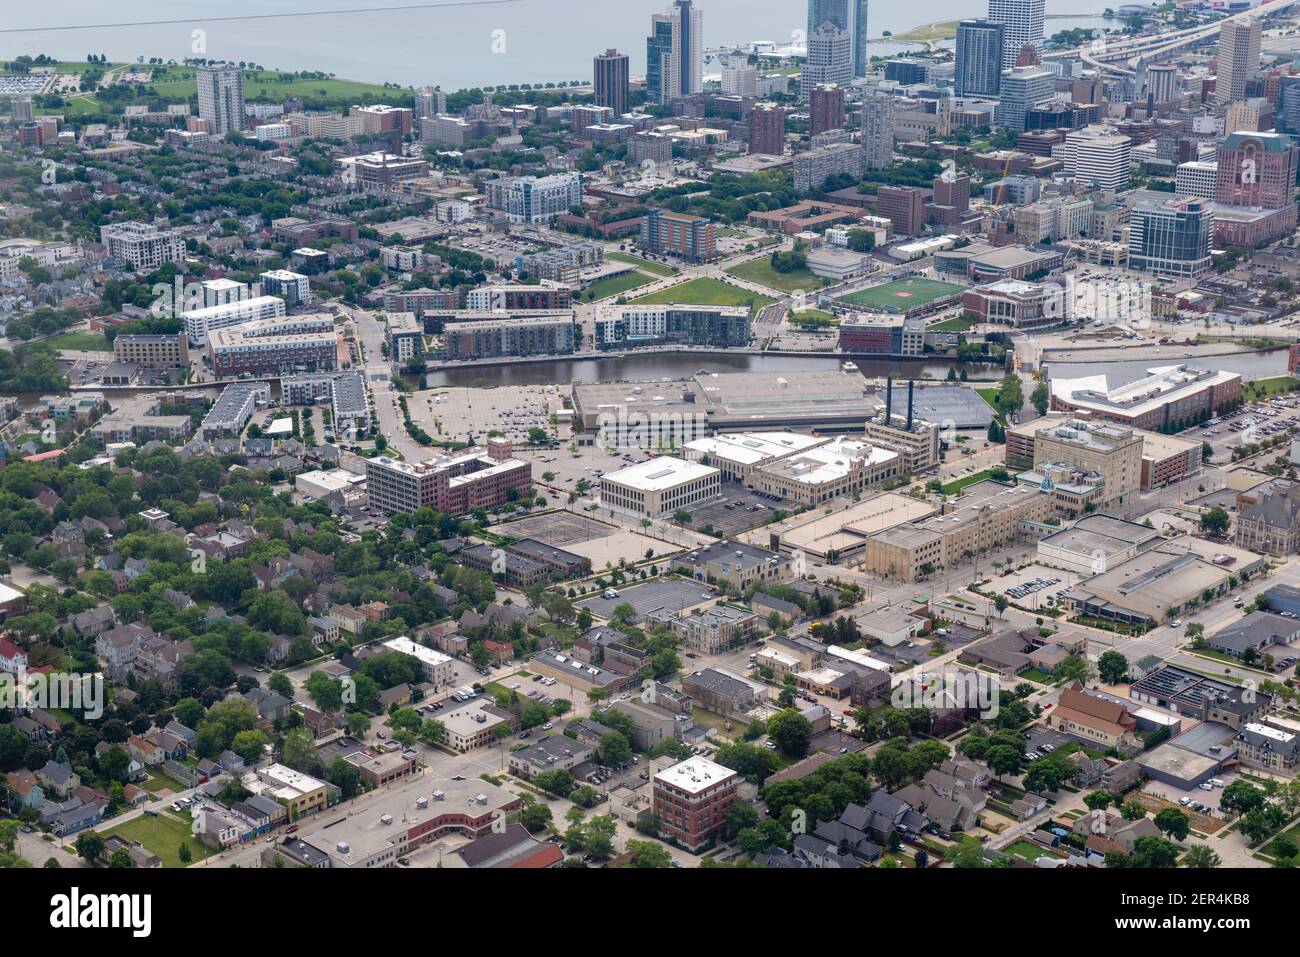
829,399
844,533
1096,543
1158,584
678,411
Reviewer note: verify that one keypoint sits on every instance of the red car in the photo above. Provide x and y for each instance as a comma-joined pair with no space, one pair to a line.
291,828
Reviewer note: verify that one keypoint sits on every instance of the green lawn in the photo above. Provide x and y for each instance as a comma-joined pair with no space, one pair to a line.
813,319
1265,388
707,291
951,325
163,835
82,342
178,83
990,396
659,269
1033,674
157,781
614,286
903,294
952,488
761,272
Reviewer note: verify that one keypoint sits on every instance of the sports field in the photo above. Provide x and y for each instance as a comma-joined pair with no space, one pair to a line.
902,295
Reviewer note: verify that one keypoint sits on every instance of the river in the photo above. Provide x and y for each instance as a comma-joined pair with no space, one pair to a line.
448,44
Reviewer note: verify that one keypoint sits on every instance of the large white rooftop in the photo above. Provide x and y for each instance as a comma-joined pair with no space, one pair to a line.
426,656
750,448
695,775
658,474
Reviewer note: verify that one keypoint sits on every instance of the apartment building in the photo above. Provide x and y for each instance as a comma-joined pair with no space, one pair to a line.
691,801
152,352
298,343
634,326
540,334
531,199
678,234
547,296
454,484
199,322
142,246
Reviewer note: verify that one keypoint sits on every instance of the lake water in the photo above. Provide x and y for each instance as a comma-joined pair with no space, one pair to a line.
454,45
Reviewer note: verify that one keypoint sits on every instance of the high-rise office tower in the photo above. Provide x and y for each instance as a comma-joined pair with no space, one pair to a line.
675,53
826,108
830,59
1238,59
1256,170
609,75
1023,20
979,58
20,109
849,16
1023,87
767,129
1171,238
221,98
878,112
1162,82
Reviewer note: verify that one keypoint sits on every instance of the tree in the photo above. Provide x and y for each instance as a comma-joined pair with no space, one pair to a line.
1284,848
535,817
1151,852
326,692
1040,397
1215,521
1112,666
1201,856
183,853
614,749
648,854
1098,800
89,846
791,731
1173,822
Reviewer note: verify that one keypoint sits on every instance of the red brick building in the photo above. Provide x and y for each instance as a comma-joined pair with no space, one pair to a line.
691,801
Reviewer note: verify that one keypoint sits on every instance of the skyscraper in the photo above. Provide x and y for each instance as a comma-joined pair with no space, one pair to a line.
20,108
826,108
767,129
1023,20
659,83
830,59
979,58
878,111
1238,59
675,53
849,16
221,98
609,75
1256,170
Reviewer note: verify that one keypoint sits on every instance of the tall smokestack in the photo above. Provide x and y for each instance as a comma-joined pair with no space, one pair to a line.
889,398
910,384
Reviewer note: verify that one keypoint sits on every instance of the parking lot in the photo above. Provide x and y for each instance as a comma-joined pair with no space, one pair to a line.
1251,424
1025,587
676,594
739,510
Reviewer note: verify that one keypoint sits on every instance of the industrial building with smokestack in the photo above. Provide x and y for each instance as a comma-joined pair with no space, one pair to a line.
914,439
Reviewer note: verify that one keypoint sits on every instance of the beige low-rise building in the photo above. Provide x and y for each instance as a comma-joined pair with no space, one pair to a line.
987,516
